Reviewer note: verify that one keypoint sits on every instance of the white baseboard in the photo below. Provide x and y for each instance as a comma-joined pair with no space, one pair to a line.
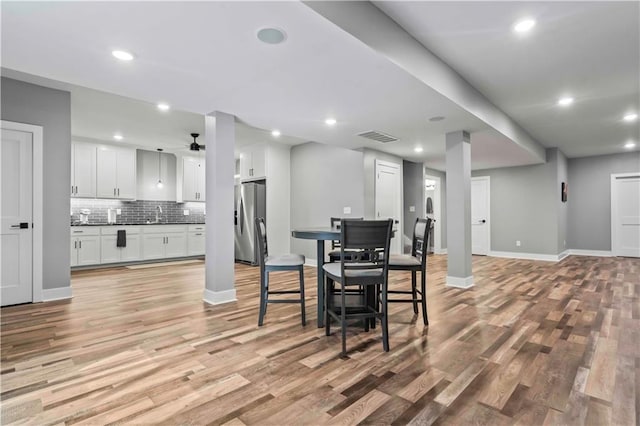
595,253
49,294
440,251
458,282
219,297
529,256
311,262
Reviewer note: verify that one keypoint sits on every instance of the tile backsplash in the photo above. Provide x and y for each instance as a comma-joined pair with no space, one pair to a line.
137,212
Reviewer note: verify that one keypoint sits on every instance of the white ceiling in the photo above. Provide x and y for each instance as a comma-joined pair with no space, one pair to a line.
589,50
204,56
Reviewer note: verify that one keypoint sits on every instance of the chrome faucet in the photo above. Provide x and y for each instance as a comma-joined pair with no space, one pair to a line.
158,213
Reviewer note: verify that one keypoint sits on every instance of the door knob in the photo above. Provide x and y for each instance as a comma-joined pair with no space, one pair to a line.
21,225
483,221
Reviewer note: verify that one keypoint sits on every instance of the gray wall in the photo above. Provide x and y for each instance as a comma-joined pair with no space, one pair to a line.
51,109
589,198
413,195
324,180
524,207
147,176
442,227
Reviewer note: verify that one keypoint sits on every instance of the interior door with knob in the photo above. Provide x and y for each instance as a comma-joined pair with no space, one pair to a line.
16,210
388,203
480,228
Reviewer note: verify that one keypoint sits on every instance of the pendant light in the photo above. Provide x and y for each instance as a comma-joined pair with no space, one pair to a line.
159,185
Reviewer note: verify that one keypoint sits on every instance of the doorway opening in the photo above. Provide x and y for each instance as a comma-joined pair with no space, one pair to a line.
432,209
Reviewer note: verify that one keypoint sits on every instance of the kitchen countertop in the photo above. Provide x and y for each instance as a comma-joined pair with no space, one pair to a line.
135,224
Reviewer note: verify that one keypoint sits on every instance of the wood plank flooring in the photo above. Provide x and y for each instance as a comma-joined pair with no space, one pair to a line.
532,343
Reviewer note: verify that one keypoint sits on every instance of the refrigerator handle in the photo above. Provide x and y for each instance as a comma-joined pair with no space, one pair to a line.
241,211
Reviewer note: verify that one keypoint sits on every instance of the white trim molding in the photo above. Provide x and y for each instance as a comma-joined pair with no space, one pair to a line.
440,251
219,297
594,253
311,262
37,206
59,293
458,282
530,256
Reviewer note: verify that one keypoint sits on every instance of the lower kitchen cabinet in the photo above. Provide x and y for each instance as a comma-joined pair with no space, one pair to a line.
195,243
110,253
85,246
164,245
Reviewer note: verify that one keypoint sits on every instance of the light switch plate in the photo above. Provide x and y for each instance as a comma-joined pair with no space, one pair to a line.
185,212
346,210
412,209
118,211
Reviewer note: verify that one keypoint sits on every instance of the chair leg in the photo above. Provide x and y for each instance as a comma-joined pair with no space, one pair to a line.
385,320
328,284
304,318
367,297
414,293
423,290
343,319
263,298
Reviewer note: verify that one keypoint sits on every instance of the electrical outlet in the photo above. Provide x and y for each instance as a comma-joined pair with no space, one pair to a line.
412,209
185,212
346,210
517,243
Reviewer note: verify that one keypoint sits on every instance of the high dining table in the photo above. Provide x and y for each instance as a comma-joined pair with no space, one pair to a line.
320,234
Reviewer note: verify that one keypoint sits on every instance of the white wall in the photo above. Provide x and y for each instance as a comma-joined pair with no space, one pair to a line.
278,198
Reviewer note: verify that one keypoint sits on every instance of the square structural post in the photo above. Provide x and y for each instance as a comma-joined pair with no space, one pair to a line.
219,171
458,163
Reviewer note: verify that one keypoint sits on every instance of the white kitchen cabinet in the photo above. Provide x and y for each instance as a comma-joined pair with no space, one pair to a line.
85,246
193,179
116,172
110,253
83,170
196,240
164,241
253,163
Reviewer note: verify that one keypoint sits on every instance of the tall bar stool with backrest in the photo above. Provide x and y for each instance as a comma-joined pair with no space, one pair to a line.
285,262
336,252
368,268
416,261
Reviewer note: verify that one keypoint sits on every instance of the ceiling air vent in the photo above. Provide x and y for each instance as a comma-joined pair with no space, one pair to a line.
378,136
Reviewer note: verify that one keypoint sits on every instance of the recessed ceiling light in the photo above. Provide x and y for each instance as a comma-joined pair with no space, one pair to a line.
330,121
271,35
275,133
118,137
436,118
565,101
122,55
630,117
163,107
418,149
630,145
524,25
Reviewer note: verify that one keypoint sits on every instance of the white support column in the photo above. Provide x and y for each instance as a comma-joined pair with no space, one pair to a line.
220,167
458,162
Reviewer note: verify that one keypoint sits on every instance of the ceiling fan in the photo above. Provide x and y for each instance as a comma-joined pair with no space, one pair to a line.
194,145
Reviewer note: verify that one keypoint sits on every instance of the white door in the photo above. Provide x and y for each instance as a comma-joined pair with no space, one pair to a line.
625,215
109,253
83,163
176,245
16,239
388,203
480,229
189,179
153,246
126,174
106,182
89,250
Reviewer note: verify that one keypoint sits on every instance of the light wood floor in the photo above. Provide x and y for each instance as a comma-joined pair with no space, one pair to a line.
532,343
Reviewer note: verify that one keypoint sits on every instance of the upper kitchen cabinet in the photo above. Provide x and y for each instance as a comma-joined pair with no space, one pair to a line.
83,170
253,162
191,179
116,172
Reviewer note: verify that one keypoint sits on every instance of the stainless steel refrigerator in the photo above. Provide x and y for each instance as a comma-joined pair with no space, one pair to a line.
250,202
